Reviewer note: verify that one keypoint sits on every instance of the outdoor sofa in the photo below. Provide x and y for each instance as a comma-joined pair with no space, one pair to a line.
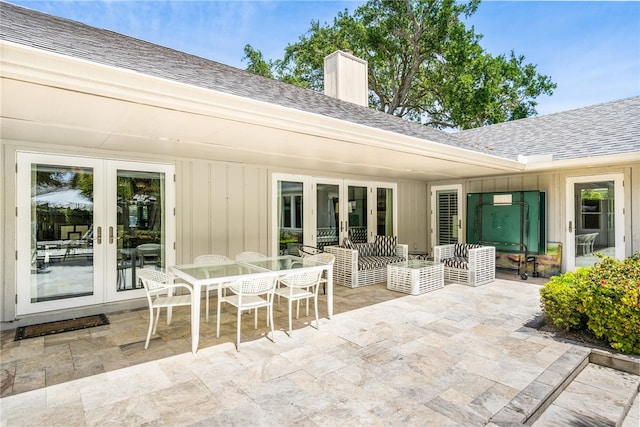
362,264
467,264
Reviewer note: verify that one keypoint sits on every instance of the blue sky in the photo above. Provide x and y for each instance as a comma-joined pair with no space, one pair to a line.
590,49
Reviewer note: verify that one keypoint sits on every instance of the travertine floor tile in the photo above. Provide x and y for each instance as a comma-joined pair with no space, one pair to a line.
452,357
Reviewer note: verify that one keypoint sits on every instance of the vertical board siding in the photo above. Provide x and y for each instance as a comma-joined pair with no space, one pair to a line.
199,216
413,215
221,209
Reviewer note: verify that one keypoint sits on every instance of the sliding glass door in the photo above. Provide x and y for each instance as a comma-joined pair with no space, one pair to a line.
87,224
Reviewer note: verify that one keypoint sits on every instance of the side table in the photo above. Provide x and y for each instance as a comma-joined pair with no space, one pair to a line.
415,277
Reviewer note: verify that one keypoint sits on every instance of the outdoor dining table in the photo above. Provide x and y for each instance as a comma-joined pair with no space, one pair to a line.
222,274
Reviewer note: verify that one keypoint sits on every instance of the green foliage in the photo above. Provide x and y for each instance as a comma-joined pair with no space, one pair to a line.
424,64
606,295
561,300
257,63
612,302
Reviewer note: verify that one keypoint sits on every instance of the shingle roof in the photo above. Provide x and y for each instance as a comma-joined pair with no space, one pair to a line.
610,128
63,36
602,129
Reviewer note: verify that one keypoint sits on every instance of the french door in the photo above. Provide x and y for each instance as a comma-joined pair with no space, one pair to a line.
595,219
321,212
85,225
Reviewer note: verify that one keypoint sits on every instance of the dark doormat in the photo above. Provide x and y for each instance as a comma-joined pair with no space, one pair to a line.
24,332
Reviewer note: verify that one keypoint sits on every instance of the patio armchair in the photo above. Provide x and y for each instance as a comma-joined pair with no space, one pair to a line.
362,264
467,264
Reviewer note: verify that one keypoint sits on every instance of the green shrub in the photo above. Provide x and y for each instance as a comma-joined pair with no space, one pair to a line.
561,300
612,302
604,298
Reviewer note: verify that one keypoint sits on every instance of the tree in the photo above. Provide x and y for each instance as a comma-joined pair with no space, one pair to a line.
424,64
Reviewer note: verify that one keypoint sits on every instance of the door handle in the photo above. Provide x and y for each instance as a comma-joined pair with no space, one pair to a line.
99,236
110,234
460,224
570,226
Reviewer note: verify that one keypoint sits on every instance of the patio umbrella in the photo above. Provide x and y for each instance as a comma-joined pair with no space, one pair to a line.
69,198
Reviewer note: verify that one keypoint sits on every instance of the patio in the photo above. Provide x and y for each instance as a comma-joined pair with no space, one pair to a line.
455,356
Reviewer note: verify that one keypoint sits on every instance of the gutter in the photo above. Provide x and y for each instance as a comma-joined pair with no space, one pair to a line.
546,163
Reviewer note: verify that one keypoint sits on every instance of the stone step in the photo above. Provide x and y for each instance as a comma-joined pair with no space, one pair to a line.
598,396
586,387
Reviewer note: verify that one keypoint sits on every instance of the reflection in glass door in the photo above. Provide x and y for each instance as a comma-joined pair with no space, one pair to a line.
384,212
327,214
357,214
596,223
140,225
290,217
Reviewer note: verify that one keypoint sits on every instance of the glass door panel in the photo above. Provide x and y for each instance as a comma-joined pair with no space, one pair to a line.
327,214
384,212
140,223
58,211
357,213
596,220
290,218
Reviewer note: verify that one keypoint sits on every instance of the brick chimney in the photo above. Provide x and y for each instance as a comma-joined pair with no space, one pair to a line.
345,77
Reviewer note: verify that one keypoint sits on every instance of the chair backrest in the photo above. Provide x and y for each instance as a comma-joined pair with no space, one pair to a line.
324,257
254,286
154,280
210,259
248,256
304,279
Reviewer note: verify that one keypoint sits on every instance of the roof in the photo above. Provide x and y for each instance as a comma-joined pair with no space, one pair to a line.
602,129
611,128
63,36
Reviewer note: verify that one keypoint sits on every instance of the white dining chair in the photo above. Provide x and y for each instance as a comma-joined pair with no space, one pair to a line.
159,287
325,258
300,286
250,256
211,259
248,294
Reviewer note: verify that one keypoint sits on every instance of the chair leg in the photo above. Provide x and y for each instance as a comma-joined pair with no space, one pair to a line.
155,323
238,332
146,344
270,320
290,322
255,321
218,314
315,305
206,295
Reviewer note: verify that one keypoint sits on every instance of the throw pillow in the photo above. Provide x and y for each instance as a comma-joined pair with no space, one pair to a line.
386,245
347,243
